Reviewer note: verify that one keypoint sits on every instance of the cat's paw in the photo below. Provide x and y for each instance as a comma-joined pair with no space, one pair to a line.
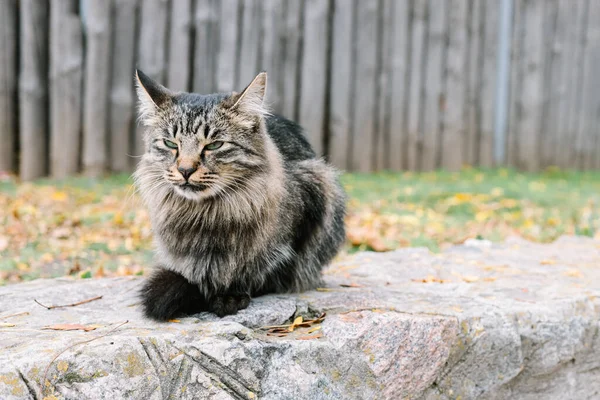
229,304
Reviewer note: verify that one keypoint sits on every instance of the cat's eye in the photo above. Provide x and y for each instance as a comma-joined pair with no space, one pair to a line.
213,145
170,144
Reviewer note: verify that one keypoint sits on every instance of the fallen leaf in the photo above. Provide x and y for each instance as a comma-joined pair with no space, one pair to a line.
314,329
310,337
70,327
574,273
174,320
351,285
6,325
470,278
548,262
294,324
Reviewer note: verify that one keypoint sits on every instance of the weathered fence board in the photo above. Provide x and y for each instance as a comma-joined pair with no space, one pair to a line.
152,48
271,48
313,66
8,83
590,125
453,135
377,84
529,99
433,86
291,58
385,44
33,89
206,44
180,46
250,46
230,33
400,75
66,70
418,63
340,125
122,97
96,84
489,30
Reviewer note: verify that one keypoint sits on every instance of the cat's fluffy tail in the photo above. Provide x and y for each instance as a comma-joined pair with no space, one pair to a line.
167,294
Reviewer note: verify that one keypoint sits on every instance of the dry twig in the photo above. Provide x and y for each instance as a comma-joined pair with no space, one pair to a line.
69,305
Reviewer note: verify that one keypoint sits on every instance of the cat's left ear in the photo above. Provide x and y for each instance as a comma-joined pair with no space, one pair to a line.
252,99
152,96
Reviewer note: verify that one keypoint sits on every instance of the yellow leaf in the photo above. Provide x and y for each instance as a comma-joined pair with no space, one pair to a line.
548,262
118,219
470,278
59,196
174,320
574,273
316,328
6,325
296,322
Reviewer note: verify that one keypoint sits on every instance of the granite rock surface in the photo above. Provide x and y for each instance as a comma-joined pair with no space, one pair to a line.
480,321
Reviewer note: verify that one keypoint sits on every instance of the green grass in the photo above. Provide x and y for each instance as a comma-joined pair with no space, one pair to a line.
92,227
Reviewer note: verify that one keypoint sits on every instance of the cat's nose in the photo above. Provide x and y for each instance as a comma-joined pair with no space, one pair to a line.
186,171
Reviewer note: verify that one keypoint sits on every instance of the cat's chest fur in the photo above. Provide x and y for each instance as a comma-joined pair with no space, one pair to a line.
214,248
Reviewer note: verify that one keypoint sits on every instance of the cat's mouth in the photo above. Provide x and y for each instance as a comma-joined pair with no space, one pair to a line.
193,187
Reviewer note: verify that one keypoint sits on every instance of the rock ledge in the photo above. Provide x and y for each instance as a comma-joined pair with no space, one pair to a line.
515,320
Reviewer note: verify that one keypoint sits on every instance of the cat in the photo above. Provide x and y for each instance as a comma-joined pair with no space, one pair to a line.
240,204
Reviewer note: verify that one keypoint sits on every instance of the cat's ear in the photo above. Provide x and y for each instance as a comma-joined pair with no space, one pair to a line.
252,99
152,95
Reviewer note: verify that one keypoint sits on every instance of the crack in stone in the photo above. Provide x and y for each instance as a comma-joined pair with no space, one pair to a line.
229,380
155,365
28,385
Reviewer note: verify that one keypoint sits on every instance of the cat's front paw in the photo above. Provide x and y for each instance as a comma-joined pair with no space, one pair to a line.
229,304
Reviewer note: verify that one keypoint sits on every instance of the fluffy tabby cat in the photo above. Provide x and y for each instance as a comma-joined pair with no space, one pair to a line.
240,205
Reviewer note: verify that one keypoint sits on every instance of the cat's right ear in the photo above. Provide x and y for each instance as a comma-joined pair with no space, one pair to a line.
152,96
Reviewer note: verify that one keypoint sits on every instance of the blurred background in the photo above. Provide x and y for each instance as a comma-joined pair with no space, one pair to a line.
453,119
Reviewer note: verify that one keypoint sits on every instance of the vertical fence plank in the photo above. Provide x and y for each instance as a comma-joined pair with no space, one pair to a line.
340,126
577,115
250,50
96,86
572,12
590,93
180,46
397,136
313,72
152,48
516,81
530,99
33,89
384,81
271,48
206,42
472,68
291,57
66,65
488,51
363,116
8,84
453,134
558,84
227,61
418,61
549,30
122,96
433,83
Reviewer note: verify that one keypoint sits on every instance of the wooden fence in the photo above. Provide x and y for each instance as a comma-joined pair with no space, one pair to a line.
378,84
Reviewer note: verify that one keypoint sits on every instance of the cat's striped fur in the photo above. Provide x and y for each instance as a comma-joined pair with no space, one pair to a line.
260,214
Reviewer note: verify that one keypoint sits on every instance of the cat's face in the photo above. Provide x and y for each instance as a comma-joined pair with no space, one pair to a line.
203,146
